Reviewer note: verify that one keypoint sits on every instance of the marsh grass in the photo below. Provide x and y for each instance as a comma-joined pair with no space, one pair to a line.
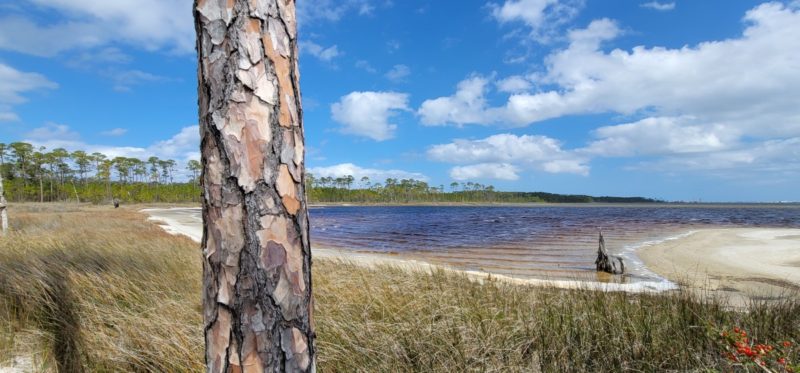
93,289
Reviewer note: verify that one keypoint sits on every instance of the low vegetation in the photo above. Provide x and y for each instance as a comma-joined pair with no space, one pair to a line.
91,287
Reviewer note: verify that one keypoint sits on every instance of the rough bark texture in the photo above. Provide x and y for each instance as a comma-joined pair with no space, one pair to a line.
605,262
257,268
3,212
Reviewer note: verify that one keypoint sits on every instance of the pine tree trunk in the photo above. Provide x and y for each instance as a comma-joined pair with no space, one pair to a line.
3,206
257,270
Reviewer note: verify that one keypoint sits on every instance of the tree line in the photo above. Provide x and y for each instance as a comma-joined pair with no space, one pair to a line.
41,175
37,174
346,189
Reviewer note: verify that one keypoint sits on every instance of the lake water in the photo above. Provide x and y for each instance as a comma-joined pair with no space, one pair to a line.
552,242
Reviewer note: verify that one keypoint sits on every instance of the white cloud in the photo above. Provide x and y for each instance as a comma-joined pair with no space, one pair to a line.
398,73
523,152
679,144
376,175
661,7
366,66
13,84
662,136
499,171
514,84
147,24
367,113
779,157
320,52
742,82
543,17
53,131
125,80
115,132
182,147
717,100
6,116
467,105
331,10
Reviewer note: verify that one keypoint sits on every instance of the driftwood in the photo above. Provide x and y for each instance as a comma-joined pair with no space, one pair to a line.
605,262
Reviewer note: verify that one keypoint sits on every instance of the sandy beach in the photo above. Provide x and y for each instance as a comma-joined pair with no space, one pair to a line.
749,262
758,263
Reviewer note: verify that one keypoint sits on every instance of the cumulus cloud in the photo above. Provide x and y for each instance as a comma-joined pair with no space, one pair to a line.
13,84
466,106
398,73
772,157
498,171
746,80
662,136
661,7
542,17
320,52
367,113
376,175
515,152
514,84
147,24
731,98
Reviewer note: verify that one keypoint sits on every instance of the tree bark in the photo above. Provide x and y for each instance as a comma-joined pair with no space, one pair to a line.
257,299
3,206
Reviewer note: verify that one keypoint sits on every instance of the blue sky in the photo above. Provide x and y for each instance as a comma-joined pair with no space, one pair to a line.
679,100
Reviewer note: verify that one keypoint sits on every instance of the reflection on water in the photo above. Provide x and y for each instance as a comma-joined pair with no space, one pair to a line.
557,242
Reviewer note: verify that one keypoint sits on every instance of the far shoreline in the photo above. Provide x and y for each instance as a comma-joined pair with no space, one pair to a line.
561,204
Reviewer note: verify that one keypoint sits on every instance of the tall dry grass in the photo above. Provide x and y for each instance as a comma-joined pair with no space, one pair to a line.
93,289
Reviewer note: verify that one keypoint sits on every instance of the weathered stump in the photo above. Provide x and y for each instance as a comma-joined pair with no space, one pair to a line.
605,262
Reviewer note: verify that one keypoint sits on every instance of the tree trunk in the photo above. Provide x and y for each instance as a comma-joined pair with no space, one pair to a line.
257,299
74,189
3,205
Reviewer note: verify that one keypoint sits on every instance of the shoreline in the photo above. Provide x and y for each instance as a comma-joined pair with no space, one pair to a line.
737,263
184,224
698,260
563,204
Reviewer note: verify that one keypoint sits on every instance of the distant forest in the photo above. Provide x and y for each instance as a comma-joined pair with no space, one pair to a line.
38,175
33,174
346,190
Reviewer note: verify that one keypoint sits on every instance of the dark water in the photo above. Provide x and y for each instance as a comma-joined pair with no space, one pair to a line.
523,241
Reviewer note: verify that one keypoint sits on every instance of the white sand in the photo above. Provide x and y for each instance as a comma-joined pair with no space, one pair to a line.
177,221
750,262
186,221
